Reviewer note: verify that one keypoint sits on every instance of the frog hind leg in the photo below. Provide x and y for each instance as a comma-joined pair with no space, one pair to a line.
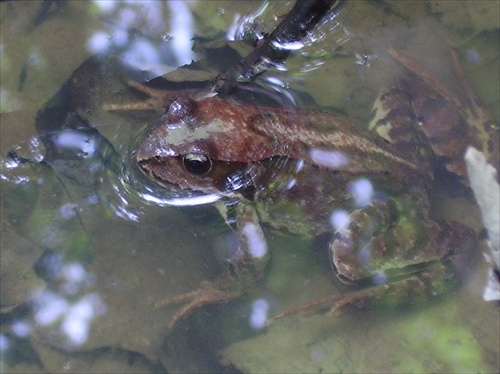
398,257
242,272
421,286
393,238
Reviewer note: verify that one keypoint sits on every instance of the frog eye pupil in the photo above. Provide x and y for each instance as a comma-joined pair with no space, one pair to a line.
197,163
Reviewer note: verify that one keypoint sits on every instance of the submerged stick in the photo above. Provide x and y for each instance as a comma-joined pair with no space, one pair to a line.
301,19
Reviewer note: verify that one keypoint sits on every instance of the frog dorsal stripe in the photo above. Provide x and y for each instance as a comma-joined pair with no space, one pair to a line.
182,134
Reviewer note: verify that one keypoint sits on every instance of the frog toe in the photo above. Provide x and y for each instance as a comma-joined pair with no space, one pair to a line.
208,294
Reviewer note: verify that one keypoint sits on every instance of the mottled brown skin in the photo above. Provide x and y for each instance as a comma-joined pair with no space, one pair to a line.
451,121
248,137
271,161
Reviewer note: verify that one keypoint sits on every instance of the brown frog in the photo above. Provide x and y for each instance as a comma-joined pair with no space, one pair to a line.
313,172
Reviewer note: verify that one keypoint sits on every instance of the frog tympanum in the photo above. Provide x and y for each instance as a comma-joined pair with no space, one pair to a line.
313,172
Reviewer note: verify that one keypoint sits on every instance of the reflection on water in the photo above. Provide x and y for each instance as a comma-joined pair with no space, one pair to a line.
69,308
248,25
142,51
329,158
258,316
361,191
91,245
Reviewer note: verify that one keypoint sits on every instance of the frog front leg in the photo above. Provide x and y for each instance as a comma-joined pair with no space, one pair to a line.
243,270
395,253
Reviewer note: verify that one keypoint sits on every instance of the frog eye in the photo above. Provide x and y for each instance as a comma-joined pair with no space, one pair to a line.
197,163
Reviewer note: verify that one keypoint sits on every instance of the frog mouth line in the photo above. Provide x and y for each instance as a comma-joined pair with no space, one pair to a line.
163,193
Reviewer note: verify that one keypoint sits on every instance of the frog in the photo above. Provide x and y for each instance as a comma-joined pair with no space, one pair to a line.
314,173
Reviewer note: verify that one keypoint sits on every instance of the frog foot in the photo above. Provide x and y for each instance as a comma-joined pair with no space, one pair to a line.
426,284
340,301
207,294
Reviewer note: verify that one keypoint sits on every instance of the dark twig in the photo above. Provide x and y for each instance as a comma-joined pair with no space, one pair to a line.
301,19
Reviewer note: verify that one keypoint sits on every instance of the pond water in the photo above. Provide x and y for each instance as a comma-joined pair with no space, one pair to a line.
90,246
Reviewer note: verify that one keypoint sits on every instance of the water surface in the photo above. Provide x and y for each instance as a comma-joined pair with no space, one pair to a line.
85,257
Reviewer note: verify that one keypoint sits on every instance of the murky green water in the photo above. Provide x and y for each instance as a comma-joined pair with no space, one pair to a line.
85,258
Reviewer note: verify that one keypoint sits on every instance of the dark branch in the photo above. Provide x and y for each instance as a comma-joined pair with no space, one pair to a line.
301,19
